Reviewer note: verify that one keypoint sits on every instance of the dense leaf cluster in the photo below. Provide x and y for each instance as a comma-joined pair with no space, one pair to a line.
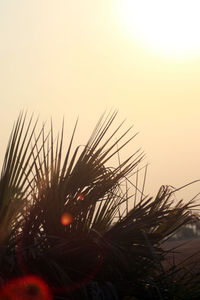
108,249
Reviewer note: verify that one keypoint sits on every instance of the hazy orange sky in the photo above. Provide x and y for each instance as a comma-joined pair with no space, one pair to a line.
81,57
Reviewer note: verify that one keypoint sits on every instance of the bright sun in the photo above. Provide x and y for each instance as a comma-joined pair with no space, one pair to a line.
170,27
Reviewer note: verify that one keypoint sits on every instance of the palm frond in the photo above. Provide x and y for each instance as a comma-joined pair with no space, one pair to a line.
112,234
17,166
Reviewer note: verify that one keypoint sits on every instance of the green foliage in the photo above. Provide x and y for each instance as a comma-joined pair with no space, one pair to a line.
118,252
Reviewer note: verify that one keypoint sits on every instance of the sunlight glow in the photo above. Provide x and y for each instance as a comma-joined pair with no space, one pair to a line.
169,27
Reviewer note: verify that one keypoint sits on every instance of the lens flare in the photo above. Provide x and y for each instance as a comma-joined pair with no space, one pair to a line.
80,197
26,288
66,219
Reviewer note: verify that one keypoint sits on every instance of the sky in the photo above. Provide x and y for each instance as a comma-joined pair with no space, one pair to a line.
80,58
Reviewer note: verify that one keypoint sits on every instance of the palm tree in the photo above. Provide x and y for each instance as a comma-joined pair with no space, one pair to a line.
66,217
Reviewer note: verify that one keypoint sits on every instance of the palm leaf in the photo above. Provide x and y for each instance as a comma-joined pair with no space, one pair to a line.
108,238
